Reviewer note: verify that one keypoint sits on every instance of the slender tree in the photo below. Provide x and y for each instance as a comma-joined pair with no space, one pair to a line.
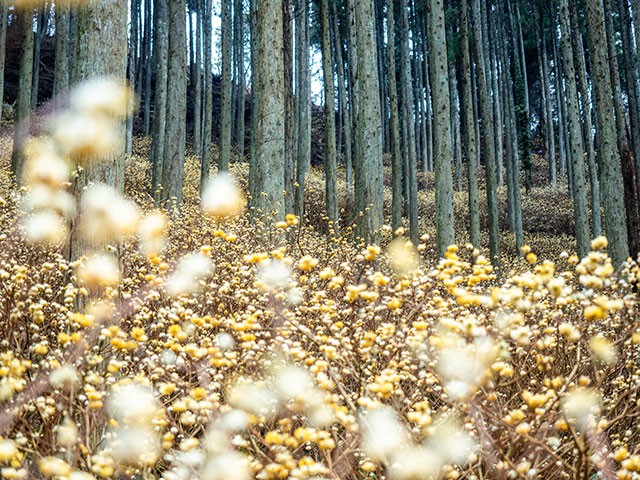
575,135
469,128
368,129
225,101
23,101
614,212
197,102
268,163
303,103
175,129
396,159
239,48
289,123
207,115
331,182
61,68
161,48
487,135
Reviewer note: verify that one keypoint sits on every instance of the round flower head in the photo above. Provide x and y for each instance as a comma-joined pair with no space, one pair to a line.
222,197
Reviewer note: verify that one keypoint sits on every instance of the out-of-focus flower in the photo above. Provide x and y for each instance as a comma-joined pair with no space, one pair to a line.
135,446
414,463
44,165
64,376
54,467
253,398
133,404
67,433
403,256
99,271
273,275
103,97
45,227
152,232
222,197
186,278
580,404
107,215
383,433
603,349
84,138
225,466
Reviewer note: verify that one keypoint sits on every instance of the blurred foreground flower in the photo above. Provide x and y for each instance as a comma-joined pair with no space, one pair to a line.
222,197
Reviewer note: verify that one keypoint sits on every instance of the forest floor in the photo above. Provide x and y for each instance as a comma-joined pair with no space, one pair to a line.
244,349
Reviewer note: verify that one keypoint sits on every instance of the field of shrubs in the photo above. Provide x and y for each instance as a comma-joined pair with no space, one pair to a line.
215,343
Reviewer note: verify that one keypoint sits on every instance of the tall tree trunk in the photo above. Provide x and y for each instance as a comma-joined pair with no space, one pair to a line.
268,164
61,68
562,144
633,89
442,134
225,100
4,22
575,135
587,124
396,159
428,165
626,155
23,101
469,128
331,183
207,116
511,127
289,125
41,28
161,49
368,148
175,136
239,46
197,101
344,107
147,68
408,117
612,186
487,137
253,31
303,102
548,108
101,51
133,63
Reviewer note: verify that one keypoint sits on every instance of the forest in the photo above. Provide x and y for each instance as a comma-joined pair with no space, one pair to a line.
319,239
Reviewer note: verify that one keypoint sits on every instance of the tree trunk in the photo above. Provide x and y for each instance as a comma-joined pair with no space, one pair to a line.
225,100
487,137
344,107
331,184
197,103
469,128
175,136
207,117
303,102
23,101
548,109
239,46
442,133
147,68
268,164
161,49
368,145
612,186
41,28
587,130
408,117
575,135
61,68
289,125
396,159
101,51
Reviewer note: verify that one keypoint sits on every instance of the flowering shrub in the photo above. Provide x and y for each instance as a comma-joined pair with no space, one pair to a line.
210,343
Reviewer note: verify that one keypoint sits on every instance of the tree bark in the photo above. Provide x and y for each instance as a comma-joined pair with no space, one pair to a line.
368,148
207,117
303,102
575,135
487,137
396,159
289,124
469,128
442,133
225,100
61,68
161,48
239,46
23,101
268,164
612,186
175,136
